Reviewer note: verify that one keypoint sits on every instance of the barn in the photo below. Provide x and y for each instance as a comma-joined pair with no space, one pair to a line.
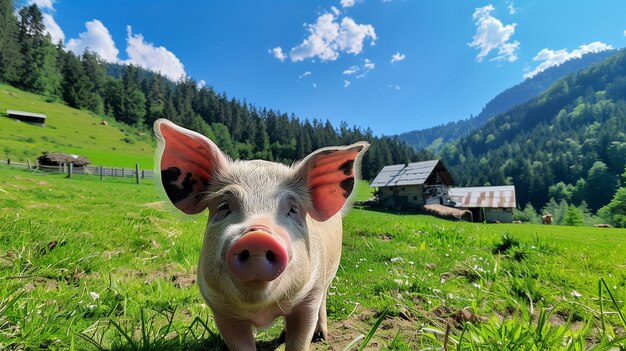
491,204
428,186
29,117
413,185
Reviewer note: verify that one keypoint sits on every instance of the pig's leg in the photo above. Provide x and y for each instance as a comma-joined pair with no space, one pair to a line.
300,326
321,330
237,334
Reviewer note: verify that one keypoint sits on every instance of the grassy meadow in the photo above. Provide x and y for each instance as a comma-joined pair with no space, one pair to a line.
105,265
71,131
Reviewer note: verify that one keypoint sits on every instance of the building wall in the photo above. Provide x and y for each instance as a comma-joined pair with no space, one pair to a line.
408,195
502,215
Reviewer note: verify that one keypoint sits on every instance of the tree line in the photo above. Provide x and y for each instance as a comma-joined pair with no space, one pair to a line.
137,97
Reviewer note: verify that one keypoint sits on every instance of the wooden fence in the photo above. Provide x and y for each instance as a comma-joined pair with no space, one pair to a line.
100,171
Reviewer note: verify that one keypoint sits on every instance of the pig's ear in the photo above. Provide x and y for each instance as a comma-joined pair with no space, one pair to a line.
330,174
187,162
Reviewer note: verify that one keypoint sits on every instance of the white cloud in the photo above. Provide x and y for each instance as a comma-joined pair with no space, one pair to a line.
491,35
362,70
314,85
554,58
305,74
52,27
346,83
97,39
511,8
335,10
278,53
347,3
625,33
157,59
328,38
43,4
201,84
397,57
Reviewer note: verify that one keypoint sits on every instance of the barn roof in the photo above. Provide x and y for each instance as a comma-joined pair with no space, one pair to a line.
60,157
487,196
415,173
25,114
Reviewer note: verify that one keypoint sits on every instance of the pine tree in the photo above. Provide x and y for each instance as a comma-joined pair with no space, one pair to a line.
134,100
10,55
76,87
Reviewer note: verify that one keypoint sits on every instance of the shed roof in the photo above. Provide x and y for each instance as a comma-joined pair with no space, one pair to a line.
486,196
60,157
415,173
26,114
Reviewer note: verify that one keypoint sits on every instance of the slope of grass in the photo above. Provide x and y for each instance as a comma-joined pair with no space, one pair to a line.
86,264
71,131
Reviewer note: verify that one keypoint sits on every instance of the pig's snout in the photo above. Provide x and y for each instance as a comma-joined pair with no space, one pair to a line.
257,256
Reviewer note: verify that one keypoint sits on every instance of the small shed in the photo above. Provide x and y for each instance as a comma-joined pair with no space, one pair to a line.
59,158
28,117
413,185
491,204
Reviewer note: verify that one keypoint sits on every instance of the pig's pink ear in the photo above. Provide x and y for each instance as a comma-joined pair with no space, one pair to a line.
331,174
187,162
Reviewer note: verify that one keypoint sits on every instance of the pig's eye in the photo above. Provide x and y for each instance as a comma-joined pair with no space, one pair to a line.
223,209
293,210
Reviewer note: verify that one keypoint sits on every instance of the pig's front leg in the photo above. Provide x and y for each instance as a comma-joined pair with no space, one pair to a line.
237,334
300,326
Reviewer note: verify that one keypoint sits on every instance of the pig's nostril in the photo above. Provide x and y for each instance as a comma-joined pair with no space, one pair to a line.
244,255
270,255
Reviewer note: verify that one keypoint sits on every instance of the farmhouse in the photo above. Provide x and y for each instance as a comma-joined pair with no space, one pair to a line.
28,117
428,186
413,185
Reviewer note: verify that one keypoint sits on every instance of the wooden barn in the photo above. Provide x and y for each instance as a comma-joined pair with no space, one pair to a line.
28,117
428,186
413,185
491,204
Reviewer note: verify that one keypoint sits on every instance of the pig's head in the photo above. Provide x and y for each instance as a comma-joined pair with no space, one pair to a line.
257,244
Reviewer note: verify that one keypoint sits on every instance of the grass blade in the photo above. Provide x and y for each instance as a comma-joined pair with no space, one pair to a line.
374,328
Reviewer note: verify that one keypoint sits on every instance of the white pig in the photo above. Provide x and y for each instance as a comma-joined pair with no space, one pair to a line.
273,239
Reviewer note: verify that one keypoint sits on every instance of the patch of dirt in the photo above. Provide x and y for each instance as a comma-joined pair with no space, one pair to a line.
183,280
47,284
169,272
385,237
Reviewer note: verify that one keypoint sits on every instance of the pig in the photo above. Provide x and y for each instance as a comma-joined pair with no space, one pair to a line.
272,243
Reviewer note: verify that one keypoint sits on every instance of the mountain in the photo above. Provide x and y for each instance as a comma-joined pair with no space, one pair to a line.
435,137
568,143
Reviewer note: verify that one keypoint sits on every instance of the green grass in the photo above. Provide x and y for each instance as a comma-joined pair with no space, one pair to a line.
86,264
71,131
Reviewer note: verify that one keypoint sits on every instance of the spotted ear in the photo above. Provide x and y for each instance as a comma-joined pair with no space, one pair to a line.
330,175
186,162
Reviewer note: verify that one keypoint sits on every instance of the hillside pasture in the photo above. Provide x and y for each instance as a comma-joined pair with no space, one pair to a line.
114,144
86,264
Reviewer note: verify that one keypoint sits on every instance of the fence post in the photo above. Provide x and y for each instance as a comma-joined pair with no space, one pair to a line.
137,172
69,170
101,173
143,174
29,166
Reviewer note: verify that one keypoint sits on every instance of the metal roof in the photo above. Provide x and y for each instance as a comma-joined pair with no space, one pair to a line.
414,173
487,196
23,113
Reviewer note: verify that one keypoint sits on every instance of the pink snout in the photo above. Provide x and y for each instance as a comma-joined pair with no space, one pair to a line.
257,256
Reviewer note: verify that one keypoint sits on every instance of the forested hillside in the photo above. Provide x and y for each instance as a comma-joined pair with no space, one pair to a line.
30,61
567,145
435,137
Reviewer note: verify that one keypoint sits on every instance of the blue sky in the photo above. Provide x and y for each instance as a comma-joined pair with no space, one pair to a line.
390,65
